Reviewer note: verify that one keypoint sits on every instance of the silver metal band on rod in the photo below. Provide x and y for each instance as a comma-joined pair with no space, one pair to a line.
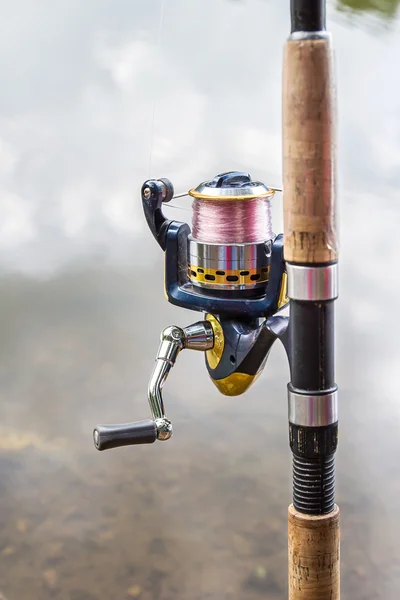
309,410
312,283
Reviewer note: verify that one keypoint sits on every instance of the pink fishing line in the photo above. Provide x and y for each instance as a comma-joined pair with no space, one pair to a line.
231,222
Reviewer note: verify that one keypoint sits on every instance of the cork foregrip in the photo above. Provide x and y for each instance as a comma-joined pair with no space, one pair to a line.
314,554
309,179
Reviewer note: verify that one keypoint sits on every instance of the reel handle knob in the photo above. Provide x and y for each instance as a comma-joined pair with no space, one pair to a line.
125,434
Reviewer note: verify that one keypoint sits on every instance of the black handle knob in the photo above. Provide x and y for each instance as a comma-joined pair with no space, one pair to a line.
126,434
169,189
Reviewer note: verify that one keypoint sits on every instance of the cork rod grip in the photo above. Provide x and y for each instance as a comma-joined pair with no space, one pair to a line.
314,555
309,179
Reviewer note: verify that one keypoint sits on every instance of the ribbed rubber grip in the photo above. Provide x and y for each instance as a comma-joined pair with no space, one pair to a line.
314,484
125,434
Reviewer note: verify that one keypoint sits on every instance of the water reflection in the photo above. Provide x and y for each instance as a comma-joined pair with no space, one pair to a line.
81,298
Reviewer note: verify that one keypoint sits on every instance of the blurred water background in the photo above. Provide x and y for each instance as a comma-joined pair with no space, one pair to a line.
97,96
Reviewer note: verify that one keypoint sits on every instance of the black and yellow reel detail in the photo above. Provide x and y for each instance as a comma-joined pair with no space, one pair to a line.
214,355
235,384
228,277
240,350
283,299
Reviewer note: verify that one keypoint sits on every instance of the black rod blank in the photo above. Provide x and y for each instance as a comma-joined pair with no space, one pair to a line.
307,15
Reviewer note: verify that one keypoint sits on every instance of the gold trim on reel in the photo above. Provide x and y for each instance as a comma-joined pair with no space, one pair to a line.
228,277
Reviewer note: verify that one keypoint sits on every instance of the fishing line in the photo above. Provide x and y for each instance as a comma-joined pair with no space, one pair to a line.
233,222
238,221
158,48
178,207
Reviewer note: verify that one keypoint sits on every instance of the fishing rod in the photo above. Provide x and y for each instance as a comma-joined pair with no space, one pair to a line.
232,268
311,255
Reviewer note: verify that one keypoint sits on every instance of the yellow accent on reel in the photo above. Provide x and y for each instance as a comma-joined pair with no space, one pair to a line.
215,354
283,299
165,278
235,384
228,277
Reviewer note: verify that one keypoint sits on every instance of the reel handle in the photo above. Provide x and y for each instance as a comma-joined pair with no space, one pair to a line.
106,437
199,336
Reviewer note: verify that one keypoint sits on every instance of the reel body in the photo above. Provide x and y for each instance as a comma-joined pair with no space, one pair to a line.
240,286
237,284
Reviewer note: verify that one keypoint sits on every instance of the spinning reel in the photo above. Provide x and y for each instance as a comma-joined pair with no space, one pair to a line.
239,286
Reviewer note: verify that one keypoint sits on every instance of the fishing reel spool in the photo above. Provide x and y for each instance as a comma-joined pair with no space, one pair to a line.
240,285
